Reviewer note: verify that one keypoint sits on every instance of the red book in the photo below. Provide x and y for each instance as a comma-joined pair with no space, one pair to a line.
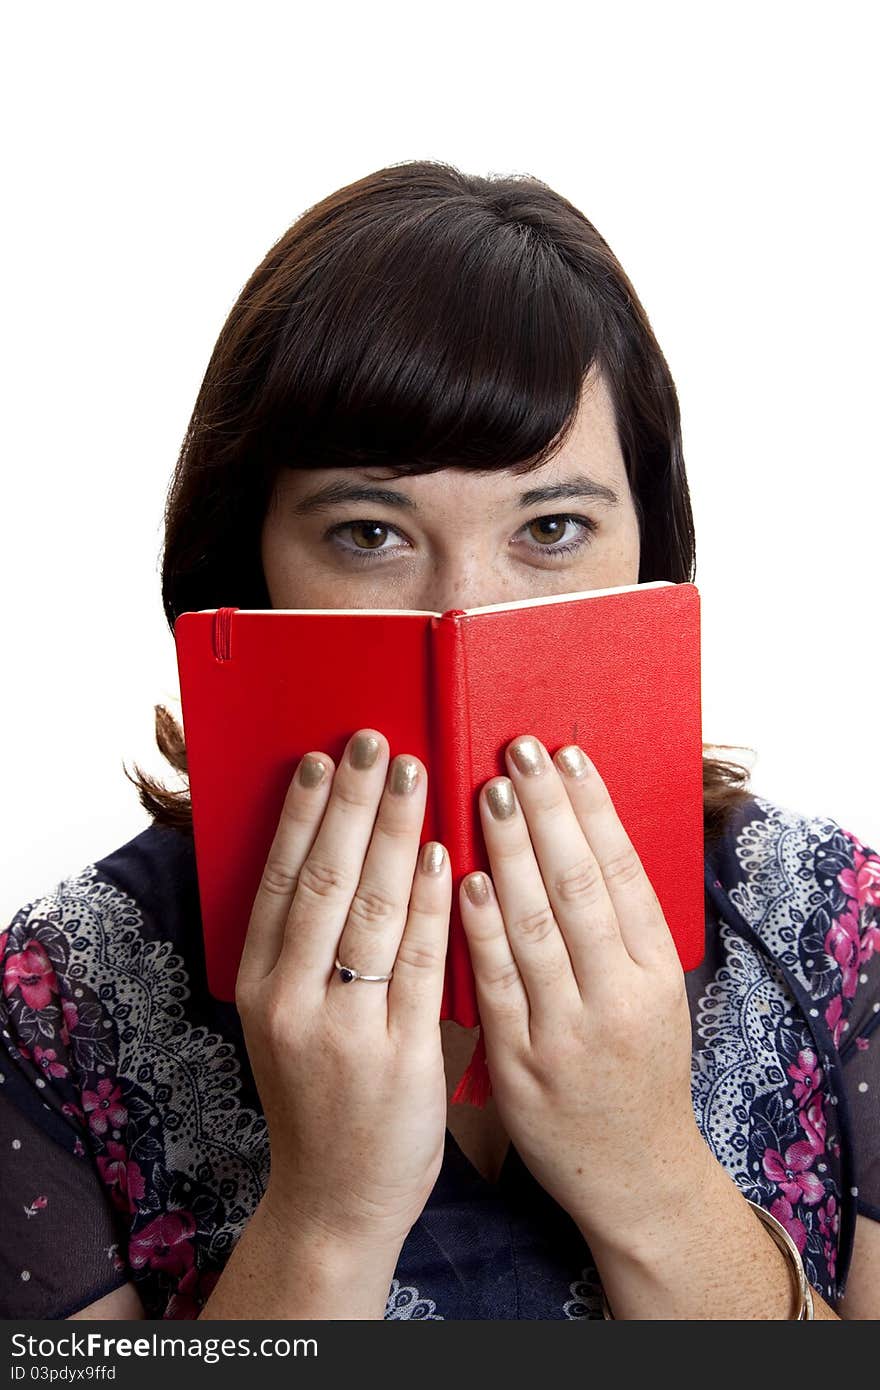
615,670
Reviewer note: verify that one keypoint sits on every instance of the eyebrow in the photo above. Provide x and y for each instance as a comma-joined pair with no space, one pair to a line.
331,494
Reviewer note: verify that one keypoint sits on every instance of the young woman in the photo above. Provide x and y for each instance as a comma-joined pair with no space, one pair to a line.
441,391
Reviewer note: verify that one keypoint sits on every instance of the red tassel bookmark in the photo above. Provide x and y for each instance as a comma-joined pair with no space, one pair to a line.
475,1086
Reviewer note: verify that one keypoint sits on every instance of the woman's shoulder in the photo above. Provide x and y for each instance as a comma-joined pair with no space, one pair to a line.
107,958
761,829
771,853
129,910
118,946
807,890
109,964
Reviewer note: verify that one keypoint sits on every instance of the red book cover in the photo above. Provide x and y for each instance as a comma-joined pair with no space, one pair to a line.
615,670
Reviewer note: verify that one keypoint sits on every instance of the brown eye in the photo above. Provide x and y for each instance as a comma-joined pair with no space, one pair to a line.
374,530
347,537
549,528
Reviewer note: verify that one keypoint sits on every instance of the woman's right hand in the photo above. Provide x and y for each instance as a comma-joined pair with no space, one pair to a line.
350,1075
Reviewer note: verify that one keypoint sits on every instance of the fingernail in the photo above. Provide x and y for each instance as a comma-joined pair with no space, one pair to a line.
404,776
501,799
432,858
477,888
572,761
364,751
311,771
527,756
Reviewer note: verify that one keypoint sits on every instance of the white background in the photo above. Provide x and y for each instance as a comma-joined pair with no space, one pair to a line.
153,154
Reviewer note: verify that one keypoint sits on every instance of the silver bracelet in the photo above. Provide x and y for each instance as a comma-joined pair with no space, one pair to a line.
788,1247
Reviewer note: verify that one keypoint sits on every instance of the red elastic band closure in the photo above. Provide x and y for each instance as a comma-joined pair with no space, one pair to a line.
222,633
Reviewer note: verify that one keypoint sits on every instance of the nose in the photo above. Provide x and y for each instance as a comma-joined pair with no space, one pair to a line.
470,586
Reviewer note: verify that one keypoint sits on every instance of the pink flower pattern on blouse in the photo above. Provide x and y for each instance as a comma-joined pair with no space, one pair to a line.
783,1210
166,1243
792,1175
122,1176
104,1107
853,938
31,972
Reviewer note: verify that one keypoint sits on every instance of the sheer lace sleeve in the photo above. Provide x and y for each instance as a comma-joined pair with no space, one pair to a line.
59,1246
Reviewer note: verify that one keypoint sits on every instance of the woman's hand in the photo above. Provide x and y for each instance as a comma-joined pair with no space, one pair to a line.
350,1075
582,999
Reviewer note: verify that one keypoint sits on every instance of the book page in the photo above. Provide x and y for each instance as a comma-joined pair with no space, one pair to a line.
489,608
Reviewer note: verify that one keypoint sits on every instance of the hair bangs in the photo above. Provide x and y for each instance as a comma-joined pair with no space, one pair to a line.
458,340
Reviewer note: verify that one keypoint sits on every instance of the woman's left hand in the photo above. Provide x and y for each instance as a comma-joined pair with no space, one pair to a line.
582,1000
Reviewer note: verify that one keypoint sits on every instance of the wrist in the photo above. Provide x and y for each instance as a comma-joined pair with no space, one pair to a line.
657,1207
328,1269
335,1240
703,1254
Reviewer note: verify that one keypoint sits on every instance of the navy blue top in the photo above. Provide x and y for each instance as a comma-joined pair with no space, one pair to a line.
135,1148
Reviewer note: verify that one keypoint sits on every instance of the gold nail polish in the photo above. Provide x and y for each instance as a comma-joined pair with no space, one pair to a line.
477,888
432,857
501,799
311,771
527,755
364,751
404,776
572,760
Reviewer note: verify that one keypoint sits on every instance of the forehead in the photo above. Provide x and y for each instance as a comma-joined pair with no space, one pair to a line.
593,440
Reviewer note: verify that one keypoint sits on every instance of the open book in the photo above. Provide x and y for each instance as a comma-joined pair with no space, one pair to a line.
616,670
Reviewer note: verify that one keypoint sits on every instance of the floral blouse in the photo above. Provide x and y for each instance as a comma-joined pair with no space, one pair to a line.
135,1148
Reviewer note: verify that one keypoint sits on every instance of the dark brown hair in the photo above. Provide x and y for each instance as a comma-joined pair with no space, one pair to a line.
418,319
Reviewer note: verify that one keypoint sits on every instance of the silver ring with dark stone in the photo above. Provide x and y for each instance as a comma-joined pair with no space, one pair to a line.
347,974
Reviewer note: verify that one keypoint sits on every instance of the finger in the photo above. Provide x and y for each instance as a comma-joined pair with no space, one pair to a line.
353,890
642,923
535,939
576,891
415,992
501,994
328,875
378,911
304,803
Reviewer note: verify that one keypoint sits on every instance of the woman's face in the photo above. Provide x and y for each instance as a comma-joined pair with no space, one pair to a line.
455,538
